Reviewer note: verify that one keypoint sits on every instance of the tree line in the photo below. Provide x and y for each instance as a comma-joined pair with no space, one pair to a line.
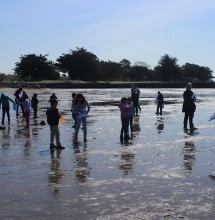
80,64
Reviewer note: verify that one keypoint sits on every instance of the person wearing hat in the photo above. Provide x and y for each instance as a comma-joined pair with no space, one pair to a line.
4,101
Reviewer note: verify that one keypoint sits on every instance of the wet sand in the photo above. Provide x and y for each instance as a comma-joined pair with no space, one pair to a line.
161,173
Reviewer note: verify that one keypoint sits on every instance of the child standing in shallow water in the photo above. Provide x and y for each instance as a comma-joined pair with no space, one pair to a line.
131,114
125,113
72,110
53,117
26,106
81,108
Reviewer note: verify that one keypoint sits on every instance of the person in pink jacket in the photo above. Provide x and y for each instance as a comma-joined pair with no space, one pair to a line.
125,109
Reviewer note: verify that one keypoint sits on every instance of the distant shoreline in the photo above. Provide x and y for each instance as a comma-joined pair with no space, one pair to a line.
102,85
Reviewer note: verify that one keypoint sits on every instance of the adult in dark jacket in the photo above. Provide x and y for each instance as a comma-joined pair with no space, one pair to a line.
135,94
189,107
18,101
160,103
34,104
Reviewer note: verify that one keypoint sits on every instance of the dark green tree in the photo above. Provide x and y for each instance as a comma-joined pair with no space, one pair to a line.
2,77
125,68
198,72
168,69
139,73
110,70
36,67
79,64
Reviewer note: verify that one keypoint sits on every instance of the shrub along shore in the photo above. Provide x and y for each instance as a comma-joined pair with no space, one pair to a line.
101,85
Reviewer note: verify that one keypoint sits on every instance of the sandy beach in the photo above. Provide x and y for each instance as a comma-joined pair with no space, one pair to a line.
161,173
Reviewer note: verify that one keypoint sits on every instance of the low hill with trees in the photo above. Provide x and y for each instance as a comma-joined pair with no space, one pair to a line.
80,64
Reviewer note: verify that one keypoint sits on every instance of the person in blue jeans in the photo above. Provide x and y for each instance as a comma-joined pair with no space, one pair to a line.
81,108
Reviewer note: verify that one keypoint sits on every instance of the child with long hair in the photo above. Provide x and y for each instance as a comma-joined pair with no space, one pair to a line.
81,108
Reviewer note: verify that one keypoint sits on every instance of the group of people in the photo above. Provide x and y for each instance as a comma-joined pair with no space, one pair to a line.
129,108
21,100
80,109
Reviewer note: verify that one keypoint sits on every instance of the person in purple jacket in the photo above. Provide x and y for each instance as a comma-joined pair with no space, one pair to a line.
125,113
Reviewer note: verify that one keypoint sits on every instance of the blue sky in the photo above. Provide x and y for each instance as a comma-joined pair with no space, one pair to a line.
137,30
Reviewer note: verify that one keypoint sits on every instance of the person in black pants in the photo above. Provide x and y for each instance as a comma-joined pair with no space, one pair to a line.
160,103
189,107
34,104
73,113
18,101
135,94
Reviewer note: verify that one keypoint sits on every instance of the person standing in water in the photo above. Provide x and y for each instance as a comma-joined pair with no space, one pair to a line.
34,104
160,103
18,101
189,107
72,109
4,101
135,95
81,108
131,114
125,113
27,108
53,96
53,117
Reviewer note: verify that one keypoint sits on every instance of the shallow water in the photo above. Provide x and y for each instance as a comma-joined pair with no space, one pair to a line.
161,173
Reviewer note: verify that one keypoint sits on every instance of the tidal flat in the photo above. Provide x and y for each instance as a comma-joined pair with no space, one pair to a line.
161,173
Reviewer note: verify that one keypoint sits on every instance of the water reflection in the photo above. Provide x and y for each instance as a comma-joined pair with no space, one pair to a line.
27,145
159,124
6,132
189,155
5,136
136,124
55,174
82,169
126,160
